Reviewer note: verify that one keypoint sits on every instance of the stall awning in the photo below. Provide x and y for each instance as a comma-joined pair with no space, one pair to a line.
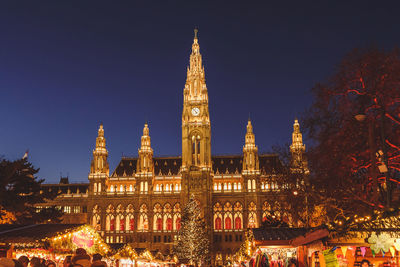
276,236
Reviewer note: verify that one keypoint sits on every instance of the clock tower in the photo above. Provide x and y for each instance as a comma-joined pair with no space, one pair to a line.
196,129
196,167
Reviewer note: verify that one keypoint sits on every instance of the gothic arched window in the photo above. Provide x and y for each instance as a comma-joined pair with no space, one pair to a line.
238,215
143,220
217,210
157,221
228,216
130,220
96,218
252,221
177,217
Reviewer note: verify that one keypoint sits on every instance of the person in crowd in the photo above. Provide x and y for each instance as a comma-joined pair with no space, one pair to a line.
50,263
24,260
36,262
81,258
6,262
67,261
97,262
365,263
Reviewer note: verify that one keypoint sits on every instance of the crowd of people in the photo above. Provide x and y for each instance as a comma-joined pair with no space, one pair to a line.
79,259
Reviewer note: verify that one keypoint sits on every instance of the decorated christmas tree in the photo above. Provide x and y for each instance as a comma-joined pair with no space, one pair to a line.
193,243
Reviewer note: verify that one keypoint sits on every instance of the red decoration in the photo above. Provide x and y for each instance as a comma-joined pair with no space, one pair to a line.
82,239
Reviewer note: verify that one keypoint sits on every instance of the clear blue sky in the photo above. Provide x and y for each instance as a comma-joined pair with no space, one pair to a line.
66,66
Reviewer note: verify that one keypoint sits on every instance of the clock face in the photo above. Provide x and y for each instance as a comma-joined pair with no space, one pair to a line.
195,111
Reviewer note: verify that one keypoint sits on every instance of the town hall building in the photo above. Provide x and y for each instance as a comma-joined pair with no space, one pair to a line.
141,200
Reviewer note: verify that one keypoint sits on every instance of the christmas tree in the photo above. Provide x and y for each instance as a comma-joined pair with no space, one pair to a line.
193,243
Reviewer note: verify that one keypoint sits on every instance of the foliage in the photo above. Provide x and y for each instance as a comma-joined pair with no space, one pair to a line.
193,242
342,172
20,191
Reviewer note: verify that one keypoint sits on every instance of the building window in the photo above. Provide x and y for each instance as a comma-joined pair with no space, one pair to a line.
67,209
95,187
143,220
252,221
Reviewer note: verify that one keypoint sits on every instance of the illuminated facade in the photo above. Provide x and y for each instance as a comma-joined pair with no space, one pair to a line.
141,201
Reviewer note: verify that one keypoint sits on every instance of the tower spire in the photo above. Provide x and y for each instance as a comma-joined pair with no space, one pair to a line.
99,163
145,161
250,150
297,149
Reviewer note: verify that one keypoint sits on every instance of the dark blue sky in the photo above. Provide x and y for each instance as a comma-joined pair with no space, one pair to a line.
65,66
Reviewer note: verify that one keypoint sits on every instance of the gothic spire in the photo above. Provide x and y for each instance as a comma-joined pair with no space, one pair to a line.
297,139
99,163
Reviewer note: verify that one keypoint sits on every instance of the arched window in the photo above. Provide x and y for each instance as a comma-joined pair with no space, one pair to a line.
120,223
254,185
219,187
130,188
196,149
217,210
159,224
96,218
235,186
169,224
99,187
145,186
229,186
157,188
218,223
228,223
112,188
121,188
228,216
110,219
249,185
167,187
177,217
95,187
141,187
143,221
176,187
239,186
157,221
238,215
167,217
130,220
178,223
252,221
225,186
215,187
238,223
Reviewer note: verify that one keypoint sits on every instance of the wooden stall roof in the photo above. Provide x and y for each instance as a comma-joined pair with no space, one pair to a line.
276,236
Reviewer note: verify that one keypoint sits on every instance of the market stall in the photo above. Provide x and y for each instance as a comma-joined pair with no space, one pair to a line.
128,256
270,247
51,241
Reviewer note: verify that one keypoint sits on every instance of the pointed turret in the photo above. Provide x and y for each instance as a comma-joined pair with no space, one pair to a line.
99,163
195,87
250,150
297,148
145,161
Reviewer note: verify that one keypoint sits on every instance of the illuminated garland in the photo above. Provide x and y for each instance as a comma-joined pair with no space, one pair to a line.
83,236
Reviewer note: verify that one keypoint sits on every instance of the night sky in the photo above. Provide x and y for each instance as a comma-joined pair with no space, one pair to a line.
66,66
